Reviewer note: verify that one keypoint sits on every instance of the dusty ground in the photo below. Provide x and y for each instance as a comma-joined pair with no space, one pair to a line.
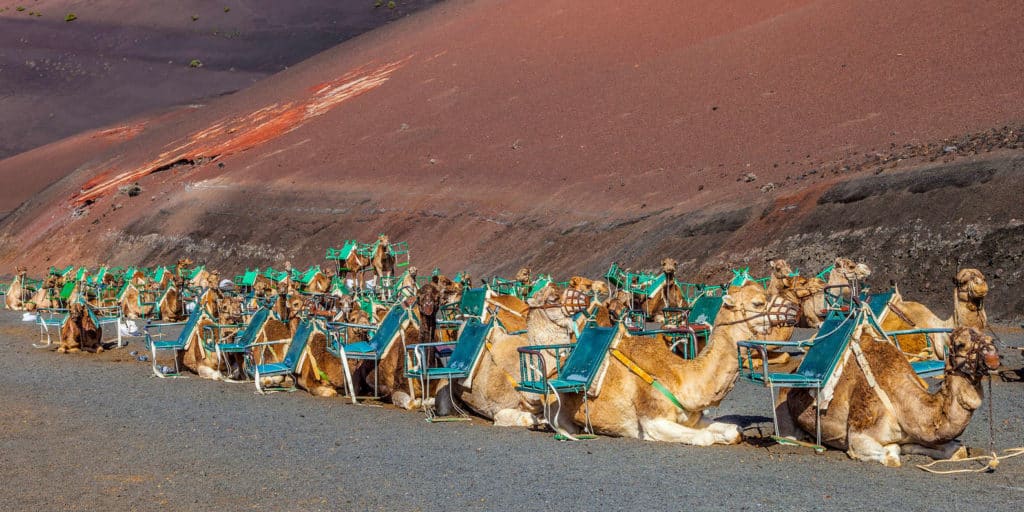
98,432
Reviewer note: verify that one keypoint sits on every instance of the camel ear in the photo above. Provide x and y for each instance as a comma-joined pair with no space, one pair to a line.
727,301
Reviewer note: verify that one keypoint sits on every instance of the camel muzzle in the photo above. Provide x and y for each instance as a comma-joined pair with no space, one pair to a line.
991,359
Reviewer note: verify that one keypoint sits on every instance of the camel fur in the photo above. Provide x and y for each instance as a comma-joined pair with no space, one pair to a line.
919,422
969,292
629,407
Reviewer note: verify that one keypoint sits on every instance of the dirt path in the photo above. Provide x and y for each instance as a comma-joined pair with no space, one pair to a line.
88,433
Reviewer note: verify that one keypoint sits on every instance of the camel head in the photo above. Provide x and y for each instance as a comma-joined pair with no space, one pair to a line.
747,309
524,275
599,289
412,272
616,304
383,240
852,270
428,298
229,310
971,288
668,266
212,279
76,311
972,354
295,306
548,300
184,262
780,269
22,271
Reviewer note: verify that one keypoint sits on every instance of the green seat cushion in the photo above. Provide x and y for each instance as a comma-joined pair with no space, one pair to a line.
928,368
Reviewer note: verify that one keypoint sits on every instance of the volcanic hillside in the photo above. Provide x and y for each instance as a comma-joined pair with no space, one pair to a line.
566,135
73,65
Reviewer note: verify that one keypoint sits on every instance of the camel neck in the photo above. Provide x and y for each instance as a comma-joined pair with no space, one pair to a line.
541,330
959,399
716,368
966,316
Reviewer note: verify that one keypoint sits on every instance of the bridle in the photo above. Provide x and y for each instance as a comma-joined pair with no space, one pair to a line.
571,302
971,365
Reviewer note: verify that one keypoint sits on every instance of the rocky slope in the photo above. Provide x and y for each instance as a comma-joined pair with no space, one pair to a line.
494,134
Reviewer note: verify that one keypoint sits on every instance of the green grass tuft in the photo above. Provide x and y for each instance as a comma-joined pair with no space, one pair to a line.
70,17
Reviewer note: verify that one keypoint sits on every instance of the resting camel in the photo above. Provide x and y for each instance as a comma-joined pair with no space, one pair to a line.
14,299
79,332
915,421
628,406
428,300
320,283
492,393
969,294
44,297
811,291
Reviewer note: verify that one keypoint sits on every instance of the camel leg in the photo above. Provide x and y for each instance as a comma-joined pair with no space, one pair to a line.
404,400
786,423
660,429
516,418
866,448
207,372
725,433
952,450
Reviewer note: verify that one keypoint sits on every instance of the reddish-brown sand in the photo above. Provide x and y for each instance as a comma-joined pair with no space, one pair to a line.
485,114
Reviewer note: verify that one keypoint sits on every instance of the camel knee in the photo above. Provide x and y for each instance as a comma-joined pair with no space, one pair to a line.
403,400
324,391
209,373
865,448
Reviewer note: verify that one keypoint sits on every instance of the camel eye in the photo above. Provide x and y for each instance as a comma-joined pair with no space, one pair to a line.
757,303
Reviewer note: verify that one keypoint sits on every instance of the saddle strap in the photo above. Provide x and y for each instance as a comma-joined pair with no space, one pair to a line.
646,377
903,316
870,376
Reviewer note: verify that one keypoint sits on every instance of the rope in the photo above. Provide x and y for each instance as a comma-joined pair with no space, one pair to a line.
991,462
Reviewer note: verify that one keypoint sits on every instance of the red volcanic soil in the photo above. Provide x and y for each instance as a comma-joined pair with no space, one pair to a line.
565,134
121,59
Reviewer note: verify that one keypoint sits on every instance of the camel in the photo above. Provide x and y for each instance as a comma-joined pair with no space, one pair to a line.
670,296
14,299
320,283
899,415
131,302
80,332
492,393
811,291
45,296
382,260
428,300
970,289
319,372
169,303
628,406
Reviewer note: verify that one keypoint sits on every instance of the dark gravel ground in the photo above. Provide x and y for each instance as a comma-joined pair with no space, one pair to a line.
89,432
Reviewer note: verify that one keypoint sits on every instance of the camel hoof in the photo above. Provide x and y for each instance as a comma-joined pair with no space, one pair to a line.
959,454
514,418
62,350
733,435
325,392
74,350
99,350
209,373
891,459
